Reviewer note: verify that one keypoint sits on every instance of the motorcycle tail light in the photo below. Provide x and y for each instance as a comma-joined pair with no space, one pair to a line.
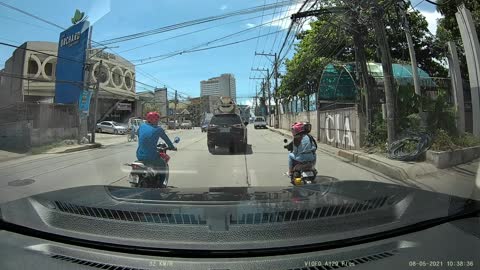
135,166
165,157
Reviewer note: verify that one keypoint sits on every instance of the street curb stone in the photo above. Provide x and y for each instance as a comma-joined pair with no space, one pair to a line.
80,148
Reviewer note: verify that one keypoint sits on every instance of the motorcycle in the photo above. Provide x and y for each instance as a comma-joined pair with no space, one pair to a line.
147,176
303,173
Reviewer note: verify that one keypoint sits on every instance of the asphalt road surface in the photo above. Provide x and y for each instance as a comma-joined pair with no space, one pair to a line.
263,164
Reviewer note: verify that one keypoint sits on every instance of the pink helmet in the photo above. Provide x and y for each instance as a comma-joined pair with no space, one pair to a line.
153,117
301,127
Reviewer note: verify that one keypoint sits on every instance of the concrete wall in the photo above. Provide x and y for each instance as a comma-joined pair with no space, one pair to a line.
15,136
41,136
445,159
24,125
341,128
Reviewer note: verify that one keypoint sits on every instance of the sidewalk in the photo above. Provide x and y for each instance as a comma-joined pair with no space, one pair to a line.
5,155
68,146
458,180
101,140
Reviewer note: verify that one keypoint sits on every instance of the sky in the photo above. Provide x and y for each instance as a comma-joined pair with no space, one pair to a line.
116,18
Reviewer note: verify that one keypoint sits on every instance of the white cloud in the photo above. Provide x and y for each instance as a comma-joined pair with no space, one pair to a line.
432,19
287,12
223,7
250,25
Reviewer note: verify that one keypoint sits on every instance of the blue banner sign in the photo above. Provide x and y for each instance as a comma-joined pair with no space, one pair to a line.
72,51
84,101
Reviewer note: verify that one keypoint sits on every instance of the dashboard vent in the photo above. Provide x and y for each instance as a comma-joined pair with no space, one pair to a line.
328,265
132,216
309,214
93,264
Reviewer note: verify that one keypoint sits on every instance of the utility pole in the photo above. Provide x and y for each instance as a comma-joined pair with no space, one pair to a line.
262,88
413,59
358,32
175,111
411,49
275,75
387,70
95,102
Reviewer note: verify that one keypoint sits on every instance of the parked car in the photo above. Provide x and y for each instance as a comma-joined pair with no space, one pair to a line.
187,124
227,130
172,125
111,127
260,123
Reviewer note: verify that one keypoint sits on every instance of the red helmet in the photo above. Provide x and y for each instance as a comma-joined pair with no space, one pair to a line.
300,128
153,117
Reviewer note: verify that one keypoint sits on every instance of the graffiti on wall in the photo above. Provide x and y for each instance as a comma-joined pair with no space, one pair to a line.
338,128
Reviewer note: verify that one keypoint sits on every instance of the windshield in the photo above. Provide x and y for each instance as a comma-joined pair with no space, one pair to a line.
227,119
252,98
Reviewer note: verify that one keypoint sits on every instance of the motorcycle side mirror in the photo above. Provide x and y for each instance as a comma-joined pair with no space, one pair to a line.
176,140
285,140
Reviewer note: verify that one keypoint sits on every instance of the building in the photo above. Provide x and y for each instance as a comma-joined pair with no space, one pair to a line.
224,85
160,98
29,76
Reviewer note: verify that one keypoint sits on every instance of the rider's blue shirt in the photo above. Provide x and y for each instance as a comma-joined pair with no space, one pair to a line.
148,136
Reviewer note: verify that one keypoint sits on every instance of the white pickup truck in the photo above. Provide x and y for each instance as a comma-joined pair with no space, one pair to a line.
259,123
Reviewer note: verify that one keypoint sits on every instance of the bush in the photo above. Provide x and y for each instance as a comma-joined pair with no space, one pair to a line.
442,141
467,140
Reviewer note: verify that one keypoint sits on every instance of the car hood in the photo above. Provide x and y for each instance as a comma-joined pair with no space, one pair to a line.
230,218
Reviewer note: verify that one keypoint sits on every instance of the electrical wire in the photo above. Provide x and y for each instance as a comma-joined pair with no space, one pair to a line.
193,22
189,33
203,49
203,44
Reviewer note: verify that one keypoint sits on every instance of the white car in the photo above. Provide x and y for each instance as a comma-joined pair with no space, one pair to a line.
186,125
259,123
111,127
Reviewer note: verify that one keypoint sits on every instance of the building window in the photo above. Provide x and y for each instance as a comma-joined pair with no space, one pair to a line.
128,81
32,67
49,69
117,79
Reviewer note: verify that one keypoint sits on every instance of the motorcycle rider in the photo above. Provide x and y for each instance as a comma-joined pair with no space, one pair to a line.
148,135
304,146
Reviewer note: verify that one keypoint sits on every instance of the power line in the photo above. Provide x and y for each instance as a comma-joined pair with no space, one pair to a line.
189,33
194,22
208,48
31,15
205,43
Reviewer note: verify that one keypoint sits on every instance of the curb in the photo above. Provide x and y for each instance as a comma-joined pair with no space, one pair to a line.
369,162
80,148
377,165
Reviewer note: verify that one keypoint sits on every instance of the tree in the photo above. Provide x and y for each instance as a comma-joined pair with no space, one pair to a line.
448,30
329,40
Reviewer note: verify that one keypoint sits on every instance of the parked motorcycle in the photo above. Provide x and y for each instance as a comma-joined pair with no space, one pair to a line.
303,173
147,176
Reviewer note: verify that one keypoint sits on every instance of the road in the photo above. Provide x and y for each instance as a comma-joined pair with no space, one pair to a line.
263,164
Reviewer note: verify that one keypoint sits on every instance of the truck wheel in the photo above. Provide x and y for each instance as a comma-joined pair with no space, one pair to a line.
211,148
